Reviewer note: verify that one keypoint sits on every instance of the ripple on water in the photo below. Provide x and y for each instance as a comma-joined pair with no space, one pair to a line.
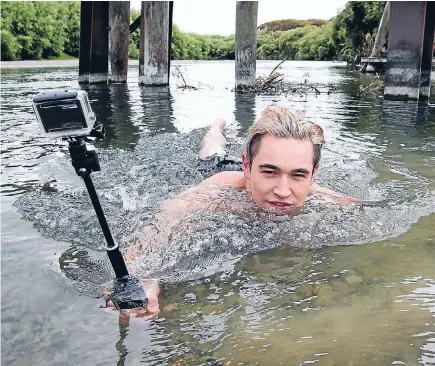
268,307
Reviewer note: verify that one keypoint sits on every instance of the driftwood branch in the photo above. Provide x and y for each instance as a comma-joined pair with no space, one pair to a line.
274,84
373,88
276,67
179,74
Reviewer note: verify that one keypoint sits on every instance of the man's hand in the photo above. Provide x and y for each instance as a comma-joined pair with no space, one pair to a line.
152,310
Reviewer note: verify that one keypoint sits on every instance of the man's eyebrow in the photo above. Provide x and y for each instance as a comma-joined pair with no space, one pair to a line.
301,170
274,167
269,166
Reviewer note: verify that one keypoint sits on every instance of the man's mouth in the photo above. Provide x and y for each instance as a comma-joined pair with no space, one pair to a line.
281,205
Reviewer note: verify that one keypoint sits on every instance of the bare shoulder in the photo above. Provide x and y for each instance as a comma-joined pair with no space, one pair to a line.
235,179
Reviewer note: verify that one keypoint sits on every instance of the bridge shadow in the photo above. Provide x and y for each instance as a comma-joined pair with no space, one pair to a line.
158,114
112,106
410,118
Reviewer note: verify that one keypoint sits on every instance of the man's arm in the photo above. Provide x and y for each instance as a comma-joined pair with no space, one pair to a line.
315,188
165,222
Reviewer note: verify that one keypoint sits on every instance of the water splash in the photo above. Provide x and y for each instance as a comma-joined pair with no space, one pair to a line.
132,185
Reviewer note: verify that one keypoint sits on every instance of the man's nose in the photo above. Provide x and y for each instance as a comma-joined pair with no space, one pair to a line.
283,189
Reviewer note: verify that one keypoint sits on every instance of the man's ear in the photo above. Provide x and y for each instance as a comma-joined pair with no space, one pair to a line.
246,168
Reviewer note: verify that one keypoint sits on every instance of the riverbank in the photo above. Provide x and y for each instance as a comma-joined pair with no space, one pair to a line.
32,64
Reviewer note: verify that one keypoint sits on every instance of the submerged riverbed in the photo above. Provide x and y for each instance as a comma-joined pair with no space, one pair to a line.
336,286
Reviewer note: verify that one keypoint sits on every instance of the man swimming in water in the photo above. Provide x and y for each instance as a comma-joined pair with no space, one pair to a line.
280,159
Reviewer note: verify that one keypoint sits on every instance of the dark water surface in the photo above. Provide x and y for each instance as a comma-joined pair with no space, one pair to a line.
334,286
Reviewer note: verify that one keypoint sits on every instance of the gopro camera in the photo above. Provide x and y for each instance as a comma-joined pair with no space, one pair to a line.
64,113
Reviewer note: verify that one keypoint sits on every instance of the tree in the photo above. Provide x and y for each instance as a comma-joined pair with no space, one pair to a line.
287,24
72,30
34,30
351,26
134,46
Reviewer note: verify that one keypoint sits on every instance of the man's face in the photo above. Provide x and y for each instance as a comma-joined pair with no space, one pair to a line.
281,174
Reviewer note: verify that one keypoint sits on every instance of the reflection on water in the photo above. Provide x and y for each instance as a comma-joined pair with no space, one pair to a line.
244,111
339,305
293,306
112,107
158,111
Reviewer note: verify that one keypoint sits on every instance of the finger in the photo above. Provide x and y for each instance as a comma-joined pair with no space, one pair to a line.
146,317
109,308
124,318
153,316
153,306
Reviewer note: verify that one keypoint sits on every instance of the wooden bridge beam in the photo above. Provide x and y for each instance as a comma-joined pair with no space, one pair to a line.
154,53
119,37
94,42
246,42
104,39
428,49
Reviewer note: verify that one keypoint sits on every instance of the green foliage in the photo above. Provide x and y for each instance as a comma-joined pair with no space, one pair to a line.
10,47
35,30
190,46
316,44
287,24
72,22
133,48
306,43
352,25
62,56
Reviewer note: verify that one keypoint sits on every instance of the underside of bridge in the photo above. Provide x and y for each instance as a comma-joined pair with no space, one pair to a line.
105,30
104,38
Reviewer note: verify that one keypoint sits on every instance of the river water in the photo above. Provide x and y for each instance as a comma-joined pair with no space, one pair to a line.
335,286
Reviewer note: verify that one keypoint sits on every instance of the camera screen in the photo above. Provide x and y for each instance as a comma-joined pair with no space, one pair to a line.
62,115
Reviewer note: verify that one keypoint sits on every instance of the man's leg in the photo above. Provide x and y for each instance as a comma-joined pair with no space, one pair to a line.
214,141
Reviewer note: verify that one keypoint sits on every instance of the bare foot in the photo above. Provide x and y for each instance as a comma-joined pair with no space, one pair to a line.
214,141
219,123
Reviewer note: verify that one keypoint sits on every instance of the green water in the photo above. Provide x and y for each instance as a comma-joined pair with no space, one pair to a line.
370,304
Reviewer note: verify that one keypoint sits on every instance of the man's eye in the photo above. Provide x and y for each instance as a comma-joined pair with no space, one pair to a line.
299,175
270,172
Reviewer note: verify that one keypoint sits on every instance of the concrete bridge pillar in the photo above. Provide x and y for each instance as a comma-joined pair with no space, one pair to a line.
246,42
428,48
119,37
406,49
154,50
94,42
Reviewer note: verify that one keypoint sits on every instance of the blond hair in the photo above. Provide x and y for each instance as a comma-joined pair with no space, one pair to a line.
282,122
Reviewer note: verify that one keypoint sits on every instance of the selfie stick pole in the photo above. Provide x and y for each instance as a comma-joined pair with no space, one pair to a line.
128,292
86,161
112,249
